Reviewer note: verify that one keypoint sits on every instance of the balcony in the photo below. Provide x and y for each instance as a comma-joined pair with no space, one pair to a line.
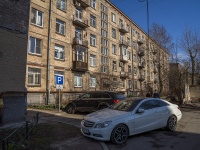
124,58
141,78
77,41
141,65
155,51
141,53
80,21
122,29
80,66
123,42
123,74
82,3
140,41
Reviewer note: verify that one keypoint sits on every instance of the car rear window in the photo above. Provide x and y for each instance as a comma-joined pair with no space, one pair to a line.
119,96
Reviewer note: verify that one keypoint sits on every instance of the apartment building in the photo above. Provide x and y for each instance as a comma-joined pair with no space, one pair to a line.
93,45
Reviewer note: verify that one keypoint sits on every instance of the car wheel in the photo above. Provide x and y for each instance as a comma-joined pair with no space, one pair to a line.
70,109
119,134
172,123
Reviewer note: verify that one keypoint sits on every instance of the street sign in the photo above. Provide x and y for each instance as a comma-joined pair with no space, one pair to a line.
59,82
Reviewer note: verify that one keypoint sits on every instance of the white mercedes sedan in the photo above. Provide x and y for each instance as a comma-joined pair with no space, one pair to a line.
130,117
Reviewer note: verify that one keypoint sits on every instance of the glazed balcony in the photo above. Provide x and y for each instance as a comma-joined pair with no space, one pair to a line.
82,3
123,42
124,58
123,74
122,29
80,66
76,41
80,21
141,53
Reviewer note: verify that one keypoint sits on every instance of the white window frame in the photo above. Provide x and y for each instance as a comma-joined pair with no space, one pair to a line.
104,69
92,21
129,55
113,17
114,49
113,33
61,4
92,60
59,49
35,45
38,17
114,66
93,4
92,81
61,26
35,74
92,40
77,80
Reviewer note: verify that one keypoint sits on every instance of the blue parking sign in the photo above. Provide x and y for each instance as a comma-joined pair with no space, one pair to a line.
59,80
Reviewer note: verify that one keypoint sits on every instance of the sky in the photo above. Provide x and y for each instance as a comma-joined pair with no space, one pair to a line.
174,15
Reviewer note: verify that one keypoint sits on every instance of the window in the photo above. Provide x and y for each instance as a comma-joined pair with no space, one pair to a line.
34,76
92,81
92,60
104,51
104,24
128,41
59,52
58,73
113,17
113,33
134,45
124,51
123,83
77,80
135,70
134,57
61,4
104,33
114,50
104,69
92,40
104,16
93,21
79,14
114,66
133,32
127,27
78,35
104,60
81,54
103,8
114,82
129,55
104,42
129,69
93,3
135,85
129,84
35,45
60,26
36,17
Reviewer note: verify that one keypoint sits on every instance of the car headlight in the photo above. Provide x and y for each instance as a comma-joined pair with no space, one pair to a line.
103,125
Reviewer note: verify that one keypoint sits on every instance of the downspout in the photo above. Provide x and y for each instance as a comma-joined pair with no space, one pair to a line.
48,54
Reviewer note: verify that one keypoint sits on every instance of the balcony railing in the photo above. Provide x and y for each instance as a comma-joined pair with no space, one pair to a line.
141,78
80,66
83,3
123,42
140,41
124,58
123,74
122,29
141,65
77,41
141,53
80,21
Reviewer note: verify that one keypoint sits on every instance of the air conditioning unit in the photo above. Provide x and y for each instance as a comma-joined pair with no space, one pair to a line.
120,64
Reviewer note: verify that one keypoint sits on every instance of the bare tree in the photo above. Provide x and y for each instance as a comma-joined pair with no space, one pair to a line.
190,42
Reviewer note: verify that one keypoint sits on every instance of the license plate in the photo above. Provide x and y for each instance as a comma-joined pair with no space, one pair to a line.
86,131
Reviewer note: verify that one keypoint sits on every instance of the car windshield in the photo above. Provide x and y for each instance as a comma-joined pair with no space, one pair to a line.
119,96
125,105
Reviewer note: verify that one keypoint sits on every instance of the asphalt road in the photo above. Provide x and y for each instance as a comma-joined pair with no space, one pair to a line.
186,137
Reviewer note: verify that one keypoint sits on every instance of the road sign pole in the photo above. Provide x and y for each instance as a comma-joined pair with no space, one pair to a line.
59,100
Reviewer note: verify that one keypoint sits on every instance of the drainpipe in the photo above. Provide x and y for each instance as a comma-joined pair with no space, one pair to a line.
48,54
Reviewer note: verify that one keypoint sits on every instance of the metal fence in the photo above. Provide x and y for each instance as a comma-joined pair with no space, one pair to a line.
17,138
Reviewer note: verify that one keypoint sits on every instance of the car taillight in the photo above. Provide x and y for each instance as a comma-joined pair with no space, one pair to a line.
116,100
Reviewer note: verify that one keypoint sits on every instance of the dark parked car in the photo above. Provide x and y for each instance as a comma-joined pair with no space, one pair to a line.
92,101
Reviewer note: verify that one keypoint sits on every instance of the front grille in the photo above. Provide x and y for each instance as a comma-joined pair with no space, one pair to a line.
88,123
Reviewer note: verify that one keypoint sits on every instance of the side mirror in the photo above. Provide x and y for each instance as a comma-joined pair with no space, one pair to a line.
140,110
